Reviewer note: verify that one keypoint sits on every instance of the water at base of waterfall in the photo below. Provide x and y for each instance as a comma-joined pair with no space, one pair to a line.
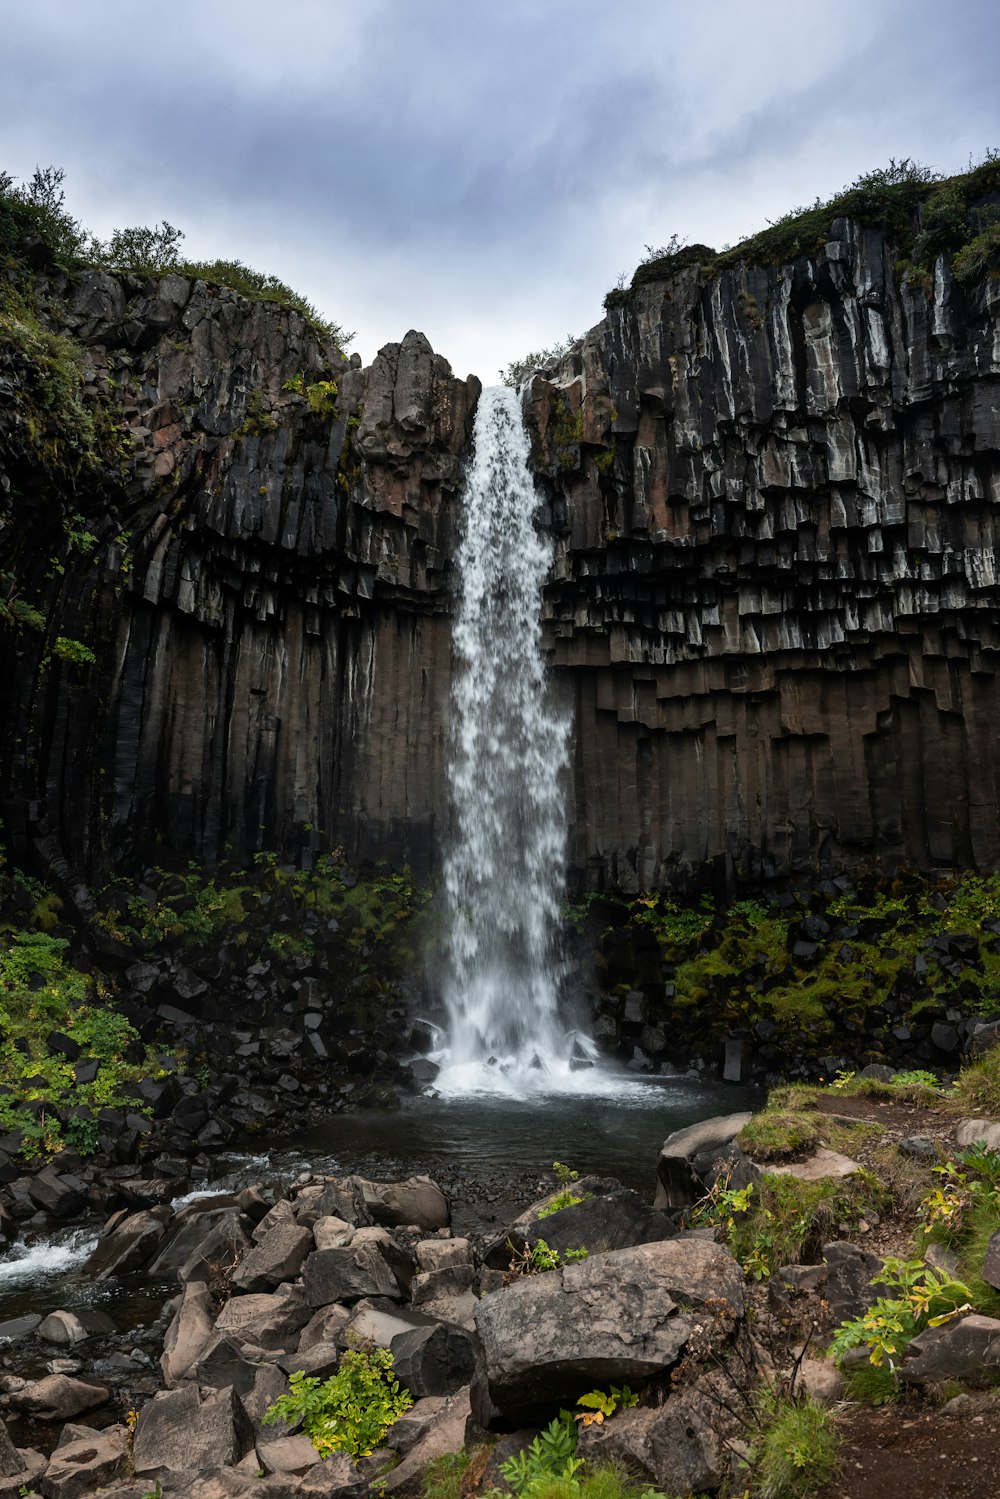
503,870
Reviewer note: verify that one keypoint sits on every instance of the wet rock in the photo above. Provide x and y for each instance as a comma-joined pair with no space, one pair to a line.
128,1243
61,1196
58,1397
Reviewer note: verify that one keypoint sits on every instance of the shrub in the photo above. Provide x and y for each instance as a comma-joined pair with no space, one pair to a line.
519,368
37,210
926,1298
139,251
349,1412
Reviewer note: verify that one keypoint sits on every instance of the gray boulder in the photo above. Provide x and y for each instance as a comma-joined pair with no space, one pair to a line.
608,1217
188,1333
682,1446
11,1461
277,1257
130,1244
676,1186
187,1230
967,1349
269,1321
57,1397
348,1274
178,1432
430,1357
418,1201
848,1286
79,1468
623,1317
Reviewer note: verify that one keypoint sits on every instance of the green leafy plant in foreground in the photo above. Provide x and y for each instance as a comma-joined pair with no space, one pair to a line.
349,1412
925,1298
550,1469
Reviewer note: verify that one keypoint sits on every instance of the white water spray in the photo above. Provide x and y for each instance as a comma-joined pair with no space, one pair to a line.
503,873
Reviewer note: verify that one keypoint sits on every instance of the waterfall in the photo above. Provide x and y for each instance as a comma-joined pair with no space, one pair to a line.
503,871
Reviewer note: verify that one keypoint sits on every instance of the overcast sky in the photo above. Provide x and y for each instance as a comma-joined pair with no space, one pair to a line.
480,169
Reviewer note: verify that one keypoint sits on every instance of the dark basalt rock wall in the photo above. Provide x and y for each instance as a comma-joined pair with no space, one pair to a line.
268,601
775,597
776,587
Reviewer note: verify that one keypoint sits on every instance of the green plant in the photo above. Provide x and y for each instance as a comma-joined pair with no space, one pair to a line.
567,1198
599,1406
926,1298
872,1384
537,1258
516,371
349,1412
550,1459
140,250
443,1477
796,1451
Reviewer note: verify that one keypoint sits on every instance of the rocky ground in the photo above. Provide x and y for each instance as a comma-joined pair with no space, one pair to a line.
492,1333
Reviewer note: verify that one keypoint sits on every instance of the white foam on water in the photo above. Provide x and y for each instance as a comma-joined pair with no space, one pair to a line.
23,1263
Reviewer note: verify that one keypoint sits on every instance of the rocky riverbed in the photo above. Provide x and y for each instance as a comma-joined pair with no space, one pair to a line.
491,1332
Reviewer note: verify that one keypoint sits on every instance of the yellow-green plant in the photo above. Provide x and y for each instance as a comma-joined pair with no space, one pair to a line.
349,1412
925,1298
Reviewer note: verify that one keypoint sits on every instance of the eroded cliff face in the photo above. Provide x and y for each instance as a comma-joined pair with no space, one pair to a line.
773,495
776,499
265,593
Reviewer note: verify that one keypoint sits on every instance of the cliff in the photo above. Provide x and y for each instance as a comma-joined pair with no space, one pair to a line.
776,587
773,493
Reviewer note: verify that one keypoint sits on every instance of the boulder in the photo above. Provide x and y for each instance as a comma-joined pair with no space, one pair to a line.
62,1196
968,1131
218,1251
443,1254
57,1397
348,1274
277,1257
62,1328
130,1244
430,1357
446,1433
79,1468
340,1197
11,1461
187,1229
332,1233
270,1321
620,1318
848,1285
682,1446
294,1454
415,1423
967,1349
821,1380
178,1432
822,1165
418,1201
609,1217
675,1184
279,1213
188,1333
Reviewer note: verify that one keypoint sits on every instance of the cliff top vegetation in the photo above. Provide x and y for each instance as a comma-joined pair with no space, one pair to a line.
926,214
37,228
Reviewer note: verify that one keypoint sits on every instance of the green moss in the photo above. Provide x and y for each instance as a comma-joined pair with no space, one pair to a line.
774,1134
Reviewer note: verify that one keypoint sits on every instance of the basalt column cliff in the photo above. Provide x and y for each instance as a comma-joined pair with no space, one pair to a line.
775,600
777,494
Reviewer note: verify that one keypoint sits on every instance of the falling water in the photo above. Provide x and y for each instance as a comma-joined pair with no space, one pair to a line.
503,873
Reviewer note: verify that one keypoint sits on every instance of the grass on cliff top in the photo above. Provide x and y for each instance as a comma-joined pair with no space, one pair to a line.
35,211
924,213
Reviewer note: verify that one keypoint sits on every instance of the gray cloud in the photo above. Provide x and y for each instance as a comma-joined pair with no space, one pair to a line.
481,170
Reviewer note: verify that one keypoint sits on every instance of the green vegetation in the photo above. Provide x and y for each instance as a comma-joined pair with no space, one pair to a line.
550,1469
925,214
796,1451
780,1220
873,956
567,1198
519,368
443,1477
977,1090
925,1298
44,995
36,211
349,1412
962,1211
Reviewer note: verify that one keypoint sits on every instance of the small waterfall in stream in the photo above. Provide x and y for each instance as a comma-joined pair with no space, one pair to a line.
503,872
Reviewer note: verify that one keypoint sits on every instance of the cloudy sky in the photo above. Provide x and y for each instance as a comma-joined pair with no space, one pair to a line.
480,169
